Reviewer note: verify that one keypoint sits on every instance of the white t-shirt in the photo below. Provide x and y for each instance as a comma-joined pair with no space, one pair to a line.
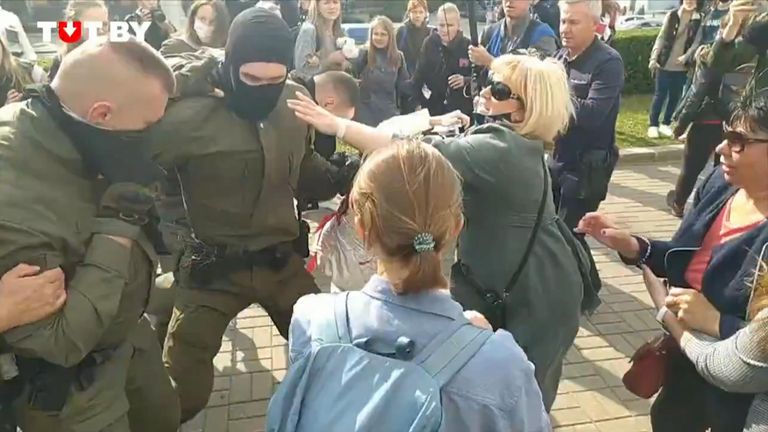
342,256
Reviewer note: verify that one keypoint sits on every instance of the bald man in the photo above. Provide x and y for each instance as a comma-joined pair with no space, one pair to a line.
75,188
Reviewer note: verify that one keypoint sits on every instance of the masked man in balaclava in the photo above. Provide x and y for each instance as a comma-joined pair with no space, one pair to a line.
238,159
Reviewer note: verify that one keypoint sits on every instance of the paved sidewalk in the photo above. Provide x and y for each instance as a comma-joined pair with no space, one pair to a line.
252,357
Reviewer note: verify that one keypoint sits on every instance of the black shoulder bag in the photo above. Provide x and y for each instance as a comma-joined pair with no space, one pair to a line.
496,311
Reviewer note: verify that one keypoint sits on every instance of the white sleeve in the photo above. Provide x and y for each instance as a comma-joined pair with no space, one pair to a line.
407,125
38,75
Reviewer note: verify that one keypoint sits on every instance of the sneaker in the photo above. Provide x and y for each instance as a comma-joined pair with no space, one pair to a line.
677,210
653,132
665,131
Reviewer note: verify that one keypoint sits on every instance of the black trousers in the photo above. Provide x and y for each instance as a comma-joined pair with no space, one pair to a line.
687,403
702,140
571,211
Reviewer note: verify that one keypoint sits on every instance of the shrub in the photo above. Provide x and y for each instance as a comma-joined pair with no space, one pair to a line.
635,48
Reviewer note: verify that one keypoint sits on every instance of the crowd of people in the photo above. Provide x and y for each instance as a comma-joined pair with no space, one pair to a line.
153,190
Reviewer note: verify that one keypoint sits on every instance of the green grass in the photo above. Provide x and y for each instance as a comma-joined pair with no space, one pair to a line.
632,126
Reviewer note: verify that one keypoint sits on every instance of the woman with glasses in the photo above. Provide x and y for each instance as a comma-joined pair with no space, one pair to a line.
517,263
709,263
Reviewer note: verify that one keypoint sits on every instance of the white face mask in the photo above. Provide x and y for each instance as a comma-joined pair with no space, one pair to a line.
204,31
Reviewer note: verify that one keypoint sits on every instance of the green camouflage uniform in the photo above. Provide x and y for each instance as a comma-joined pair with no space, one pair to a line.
99,339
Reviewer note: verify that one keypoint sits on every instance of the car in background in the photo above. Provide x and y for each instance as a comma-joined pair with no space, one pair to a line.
357,31
639,21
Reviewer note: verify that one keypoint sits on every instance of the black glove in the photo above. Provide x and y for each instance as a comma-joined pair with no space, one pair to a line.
347,165
756,34
128,202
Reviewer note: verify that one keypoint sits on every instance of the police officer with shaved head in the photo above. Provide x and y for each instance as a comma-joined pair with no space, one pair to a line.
76,188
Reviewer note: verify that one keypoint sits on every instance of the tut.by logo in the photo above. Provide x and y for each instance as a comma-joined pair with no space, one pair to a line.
72,31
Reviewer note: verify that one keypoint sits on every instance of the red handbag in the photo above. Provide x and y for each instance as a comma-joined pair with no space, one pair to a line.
648,371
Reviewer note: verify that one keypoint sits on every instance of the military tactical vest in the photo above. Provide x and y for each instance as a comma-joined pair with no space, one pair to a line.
238,178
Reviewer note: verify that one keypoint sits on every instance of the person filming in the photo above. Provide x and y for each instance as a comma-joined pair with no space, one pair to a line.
160,29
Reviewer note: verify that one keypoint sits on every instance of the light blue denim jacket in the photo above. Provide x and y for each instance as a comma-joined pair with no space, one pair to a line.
495,391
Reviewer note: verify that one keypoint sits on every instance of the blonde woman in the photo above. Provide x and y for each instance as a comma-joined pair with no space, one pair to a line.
383,74
83,11
315,49
511,230
15,74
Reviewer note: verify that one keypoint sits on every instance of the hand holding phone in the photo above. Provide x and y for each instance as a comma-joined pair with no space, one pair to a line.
657,288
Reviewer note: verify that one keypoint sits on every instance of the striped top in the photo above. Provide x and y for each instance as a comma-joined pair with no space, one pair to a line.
736,365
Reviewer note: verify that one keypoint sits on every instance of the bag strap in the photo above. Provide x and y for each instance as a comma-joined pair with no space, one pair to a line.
534,233
452,354
332,325
341,310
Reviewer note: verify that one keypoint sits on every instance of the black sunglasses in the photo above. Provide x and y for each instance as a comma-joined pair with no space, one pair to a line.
737,141
502,92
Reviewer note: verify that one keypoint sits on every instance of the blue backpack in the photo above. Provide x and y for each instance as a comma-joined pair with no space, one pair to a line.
366,385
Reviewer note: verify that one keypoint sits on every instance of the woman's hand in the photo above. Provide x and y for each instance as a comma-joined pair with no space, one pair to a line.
454,118
307,110
694,310
656,288
606,232
26,296
13,96
477,319
456,81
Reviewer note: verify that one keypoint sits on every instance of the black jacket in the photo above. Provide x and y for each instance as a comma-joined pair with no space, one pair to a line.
548,12
596,79
409,41
437,62
702,98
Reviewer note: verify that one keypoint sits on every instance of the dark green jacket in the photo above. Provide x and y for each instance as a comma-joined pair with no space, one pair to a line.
239,179
48,219
503,179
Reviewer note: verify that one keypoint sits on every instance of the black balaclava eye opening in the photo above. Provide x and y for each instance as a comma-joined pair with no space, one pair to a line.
256,35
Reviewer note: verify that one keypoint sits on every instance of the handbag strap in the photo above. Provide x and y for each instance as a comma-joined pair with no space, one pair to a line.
534,233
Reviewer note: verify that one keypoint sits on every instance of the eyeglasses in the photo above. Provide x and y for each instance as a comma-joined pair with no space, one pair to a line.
737,141
501,92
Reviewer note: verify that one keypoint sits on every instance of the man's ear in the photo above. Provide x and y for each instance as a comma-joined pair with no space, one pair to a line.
100,113
329,102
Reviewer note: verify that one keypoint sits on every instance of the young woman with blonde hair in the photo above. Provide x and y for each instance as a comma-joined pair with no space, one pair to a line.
407,204
316,49
517,263
84,11
383,74
15,74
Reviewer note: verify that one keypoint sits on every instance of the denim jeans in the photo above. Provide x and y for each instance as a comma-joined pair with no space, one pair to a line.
669,87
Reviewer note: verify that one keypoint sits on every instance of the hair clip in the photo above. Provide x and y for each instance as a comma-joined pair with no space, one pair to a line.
424,242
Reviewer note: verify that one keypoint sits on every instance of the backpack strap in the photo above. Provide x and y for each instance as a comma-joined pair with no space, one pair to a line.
340,309
332,323
448,358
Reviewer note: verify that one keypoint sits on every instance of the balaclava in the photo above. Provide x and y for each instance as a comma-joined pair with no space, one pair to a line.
256,35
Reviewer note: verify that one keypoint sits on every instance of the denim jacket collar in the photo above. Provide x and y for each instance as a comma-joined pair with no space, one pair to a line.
436,302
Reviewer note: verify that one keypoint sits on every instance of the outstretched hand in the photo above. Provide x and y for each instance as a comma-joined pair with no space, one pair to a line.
605,231
307,110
